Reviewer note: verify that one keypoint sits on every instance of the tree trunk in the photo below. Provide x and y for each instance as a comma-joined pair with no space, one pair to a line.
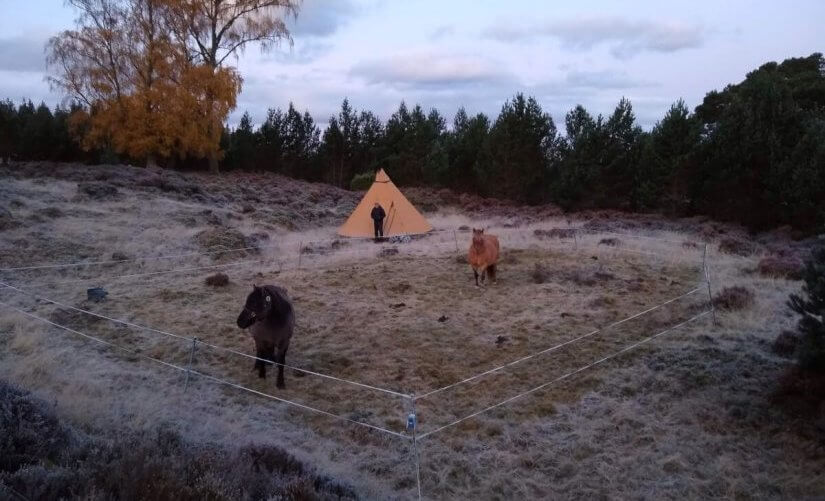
214,166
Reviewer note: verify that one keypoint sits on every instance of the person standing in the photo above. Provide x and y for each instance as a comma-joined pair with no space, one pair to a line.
377,214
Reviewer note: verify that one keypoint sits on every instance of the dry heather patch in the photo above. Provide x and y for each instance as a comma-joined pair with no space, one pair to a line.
97,191
45,458
785,343
789,267
218,239
734,298
737,246
217,280
540,274
555,233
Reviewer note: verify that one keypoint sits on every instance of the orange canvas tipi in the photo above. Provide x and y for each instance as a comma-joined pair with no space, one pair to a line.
402,218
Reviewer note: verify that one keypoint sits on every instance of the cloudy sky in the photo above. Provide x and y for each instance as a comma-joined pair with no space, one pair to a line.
476,53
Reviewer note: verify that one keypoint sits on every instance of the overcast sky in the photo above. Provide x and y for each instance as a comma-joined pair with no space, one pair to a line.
474,53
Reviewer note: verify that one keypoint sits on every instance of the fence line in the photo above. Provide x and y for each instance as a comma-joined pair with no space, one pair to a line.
553,348
560,378
626,235
134,260
198,341
360,252
270,246
188,254
151,273
197,373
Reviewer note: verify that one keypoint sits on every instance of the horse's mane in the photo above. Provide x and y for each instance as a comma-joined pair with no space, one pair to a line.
280,300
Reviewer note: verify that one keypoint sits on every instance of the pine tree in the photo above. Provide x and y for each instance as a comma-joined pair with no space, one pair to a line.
8,130
811,306
522,146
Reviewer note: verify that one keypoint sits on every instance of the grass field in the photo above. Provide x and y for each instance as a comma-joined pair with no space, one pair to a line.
685,415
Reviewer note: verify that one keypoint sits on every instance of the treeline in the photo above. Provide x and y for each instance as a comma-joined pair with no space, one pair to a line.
753,152
30,132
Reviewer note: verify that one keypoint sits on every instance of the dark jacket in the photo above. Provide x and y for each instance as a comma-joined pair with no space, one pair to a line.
378,213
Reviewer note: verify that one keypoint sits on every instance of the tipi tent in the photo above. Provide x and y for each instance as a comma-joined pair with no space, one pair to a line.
402,218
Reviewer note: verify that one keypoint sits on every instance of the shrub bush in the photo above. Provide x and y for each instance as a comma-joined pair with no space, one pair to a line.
781,267
733,298
362,182
217,280
785,344
810,305
42,459
736,246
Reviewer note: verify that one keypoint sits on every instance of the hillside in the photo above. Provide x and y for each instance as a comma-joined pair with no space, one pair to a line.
693,413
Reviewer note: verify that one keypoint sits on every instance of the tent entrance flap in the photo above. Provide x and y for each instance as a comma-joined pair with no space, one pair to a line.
402,218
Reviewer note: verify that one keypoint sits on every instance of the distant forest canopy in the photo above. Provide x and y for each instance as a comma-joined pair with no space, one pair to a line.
753,152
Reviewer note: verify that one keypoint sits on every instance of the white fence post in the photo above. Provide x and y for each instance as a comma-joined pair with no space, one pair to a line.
412,423
707,280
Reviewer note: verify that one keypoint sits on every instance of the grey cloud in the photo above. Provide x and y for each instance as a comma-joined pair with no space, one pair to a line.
321,18
604,79
303,52
624,37
19,85
429,69
22,54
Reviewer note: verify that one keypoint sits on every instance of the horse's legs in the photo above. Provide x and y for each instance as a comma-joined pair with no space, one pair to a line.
476,275
281,361
260,354
483,275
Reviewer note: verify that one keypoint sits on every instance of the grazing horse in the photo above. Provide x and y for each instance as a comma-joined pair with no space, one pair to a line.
269,315
483,255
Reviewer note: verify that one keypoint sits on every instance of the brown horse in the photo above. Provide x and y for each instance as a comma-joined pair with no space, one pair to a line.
271,320
483,255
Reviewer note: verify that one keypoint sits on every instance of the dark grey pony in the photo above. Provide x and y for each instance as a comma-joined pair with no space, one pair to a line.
269,315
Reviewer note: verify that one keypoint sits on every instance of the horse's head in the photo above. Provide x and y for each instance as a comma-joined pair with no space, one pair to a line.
257,307
478,236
